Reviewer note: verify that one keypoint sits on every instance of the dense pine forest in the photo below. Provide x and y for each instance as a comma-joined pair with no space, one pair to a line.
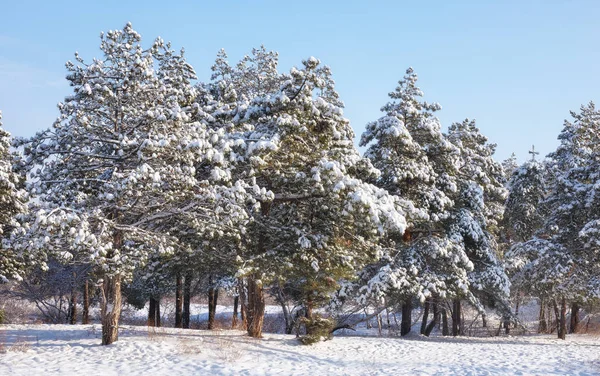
151,185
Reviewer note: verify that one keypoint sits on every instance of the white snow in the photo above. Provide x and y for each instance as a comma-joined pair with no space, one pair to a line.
76,350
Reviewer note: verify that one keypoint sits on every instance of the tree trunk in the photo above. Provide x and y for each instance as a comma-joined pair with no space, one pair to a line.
73,302
560,318
563,319
243,304
406,323
425,316
234,319
179,301
214,305
434,322
552,323
187,292
484,320
110,309
287,316
574,318
445,329
255,313
158,324
152,312
211,306
517,306
543,325
308,314
256,307
456,318
85,315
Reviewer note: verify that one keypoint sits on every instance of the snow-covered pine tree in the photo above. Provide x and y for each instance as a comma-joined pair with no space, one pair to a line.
416,163
479,204
118,165
12,203
317,219
509,166
523,216
560,262
524,210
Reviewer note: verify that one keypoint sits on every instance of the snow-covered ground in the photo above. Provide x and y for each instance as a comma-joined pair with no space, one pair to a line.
75,350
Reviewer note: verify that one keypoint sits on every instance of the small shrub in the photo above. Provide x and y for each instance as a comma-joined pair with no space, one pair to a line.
2,316
317,328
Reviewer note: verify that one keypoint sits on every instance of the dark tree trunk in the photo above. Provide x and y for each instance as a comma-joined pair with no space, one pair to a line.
158,323
425,316
434,322
574,318
187,296
563,319
73,302
506,326
152,312
484,320
211,306
456,318
255,312
445,329
256,307
110,306
85,315
110,309
234,320
406,323
543,326
179,301
560,314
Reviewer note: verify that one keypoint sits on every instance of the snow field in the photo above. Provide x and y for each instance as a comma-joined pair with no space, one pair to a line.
76,350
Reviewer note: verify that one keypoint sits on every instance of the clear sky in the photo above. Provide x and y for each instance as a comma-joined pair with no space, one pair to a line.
517,67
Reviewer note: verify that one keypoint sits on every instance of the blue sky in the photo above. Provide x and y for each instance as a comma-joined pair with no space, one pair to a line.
517,67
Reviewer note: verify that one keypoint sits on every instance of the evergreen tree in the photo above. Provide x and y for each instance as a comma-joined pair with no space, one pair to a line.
316,217
12,203
524,211
417,163
559,262
509,166
478,208
118,165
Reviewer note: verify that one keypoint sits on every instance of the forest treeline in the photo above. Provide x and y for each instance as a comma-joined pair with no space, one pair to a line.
150,183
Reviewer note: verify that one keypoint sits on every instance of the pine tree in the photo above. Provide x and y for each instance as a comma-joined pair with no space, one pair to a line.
509,166
524,212
12,203
417,164
478,208
118,167
316,217
558,264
